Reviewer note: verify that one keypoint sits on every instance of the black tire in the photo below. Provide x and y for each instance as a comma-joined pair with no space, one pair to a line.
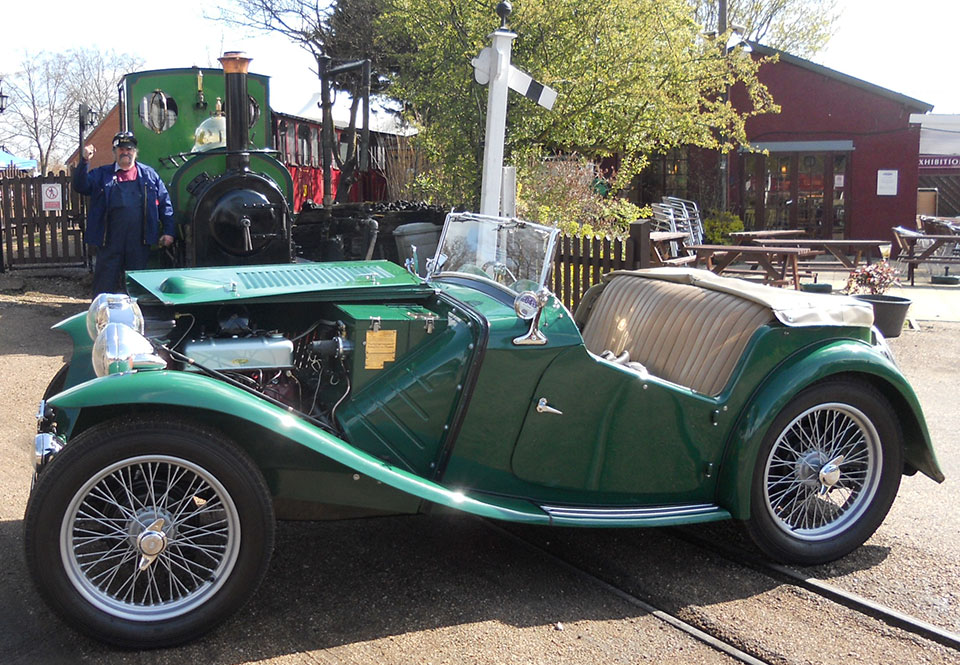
826,474
144,570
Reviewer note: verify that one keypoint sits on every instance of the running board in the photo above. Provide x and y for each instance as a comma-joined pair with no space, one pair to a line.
620,516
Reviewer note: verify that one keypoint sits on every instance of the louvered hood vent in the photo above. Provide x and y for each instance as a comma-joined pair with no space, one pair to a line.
207,285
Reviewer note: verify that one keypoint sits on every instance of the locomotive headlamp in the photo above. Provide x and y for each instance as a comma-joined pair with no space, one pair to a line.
119,348
109,308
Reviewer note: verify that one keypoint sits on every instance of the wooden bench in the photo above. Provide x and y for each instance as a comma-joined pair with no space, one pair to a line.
666,249
916,248
779,264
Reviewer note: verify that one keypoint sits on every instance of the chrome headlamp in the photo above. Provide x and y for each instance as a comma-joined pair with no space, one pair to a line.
109,308
119,348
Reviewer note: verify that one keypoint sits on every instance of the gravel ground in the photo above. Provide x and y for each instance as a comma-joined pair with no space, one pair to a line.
444,589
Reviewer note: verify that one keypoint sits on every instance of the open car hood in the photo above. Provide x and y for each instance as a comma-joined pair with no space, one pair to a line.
233,283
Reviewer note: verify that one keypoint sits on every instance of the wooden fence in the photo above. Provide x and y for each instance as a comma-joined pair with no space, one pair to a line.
32,237
36,237
580,262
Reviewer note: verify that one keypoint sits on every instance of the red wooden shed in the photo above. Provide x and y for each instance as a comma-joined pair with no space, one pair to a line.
840,160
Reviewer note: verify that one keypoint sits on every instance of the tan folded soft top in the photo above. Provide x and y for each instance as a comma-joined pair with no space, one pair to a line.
792,308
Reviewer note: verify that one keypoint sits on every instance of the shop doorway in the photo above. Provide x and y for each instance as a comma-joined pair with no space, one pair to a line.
796,190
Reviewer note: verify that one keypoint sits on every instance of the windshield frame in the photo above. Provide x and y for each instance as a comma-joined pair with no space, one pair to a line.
551,232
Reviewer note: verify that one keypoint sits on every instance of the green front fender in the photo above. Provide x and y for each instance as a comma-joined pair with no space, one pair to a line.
846,357
81,367
186,389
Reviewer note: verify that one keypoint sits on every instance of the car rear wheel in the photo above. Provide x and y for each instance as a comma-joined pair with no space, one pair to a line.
146,533
826,474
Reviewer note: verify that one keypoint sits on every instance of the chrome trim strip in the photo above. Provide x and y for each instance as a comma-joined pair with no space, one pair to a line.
619,513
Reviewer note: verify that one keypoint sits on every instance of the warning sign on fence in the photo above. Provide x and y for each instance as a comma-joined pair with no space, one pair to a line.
52,197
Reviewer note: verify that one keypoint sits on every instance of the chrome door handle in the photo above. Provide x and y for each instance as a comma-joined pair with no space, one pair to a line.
543,407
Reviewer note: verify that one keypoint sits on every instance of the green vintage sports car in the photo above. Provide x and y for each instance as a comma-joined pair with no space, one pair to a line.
210,401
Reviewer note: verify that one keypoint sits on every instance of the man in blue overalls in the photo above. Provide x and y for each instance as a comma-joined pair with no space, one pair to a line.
129,212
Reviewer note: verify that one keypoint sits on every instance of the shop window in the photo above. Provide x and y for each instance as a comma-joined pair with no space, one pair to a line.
839,176
676,167
810,193
778,199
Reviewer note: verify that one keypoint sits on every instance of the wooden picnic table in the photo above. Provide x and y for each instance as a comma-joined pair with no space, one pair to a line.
929,253
767,234
856,248
667,249
776,262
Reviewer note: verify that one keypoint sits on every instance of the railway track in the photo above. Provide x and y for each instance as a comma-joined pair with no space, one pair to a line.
840,596
713,635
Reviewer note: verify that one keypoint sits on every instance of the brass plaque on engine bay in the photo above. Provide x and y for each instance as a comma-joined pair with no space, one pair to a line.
381,348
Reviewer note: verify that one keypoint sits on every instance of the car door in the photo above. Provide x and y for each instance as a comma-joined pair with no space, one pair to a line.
598,432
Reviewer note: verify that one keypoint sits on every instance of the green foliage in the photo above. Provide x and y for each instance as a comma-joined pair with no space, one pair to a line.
633,76
800,27
718,226
569,193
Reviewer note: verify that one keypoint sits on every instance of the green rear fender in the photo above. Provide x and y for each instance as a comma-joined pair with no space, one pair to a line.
185,389
849,358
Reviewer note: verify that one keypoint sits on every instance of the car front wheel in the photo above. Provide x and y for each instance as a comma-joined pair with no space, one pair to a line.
826,474
147,533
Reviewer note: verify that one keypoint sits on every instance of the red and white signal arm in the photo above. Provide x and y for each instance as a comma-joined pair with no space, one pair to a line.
52,197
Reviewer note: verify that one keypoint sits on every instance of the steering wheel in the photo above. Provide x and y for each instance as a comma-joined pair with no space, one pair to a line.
522,285
500,270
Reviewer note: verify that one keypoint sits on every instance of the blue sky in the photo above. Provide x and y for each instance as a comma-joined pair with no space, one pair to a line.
908,47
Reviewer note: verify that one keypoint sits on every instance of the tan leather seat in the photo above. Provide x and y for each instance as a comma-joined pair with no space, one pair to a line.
685,334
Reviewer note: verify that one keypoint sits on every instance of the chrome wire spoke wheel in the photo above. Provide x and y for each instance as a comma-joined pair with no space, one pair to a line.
823,471
150,538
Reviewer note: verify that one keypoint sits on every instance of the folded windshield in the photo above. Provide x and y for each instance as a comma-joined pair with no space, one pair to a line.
511,252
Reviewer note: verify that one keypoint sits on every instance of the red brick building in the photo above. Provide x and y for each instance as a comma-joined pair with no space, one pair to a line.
840,160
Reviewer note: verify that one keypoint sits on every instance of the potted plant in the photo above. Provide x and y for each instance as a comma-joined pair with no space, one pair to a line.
869,283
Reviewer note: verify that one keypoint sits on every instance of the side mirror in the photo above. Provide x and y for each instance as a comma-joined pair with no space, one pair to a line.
434,264
529,307
413,263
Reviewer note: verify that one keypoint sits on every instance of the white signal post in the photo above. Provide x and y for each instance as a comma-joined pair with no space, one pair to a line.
492,67
498,74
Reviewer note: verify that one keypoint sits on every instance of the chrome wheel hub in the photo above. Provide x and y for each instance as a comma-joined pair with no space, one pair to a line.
151,543
808,468
830,475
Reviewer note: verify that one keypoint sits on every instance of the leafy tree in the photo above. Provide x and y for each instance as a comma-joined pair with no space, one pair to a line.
800,27
633,76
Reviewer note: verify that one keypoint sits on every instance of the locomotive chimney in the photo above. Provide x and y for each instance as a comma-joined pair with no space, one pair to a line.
235,66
